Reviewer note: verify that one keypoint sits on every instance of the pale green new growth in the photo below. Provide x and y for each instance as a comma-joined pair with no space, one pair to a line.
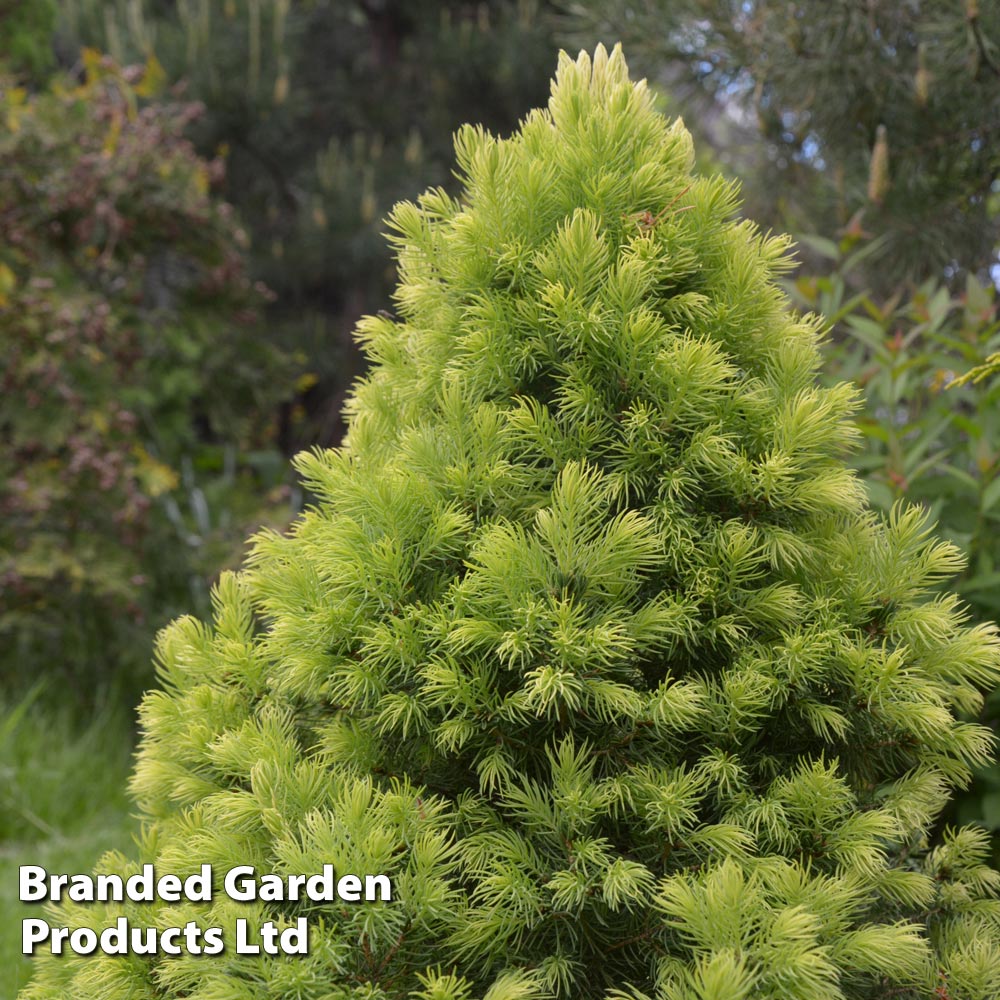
590,640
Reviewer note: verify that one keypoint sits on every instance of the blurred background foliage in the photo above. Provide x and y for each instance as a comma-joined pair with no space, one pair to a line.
871,119
327,112
191,200
134,361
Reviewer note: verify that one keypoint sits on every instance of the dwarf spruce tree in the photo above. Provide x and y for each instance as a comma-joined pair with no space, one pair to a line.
590,641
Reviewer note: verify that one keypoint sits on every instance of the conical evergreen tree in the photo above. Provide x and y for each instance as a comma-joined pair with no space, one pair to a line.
590,641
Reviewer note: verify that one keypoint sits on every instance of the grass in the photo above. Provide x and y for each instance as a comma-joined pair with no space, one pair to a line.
63,803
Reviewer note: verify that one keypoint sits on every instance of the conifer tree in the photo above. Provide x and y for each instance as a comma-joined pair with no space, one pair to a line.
329,112
867,118
590,641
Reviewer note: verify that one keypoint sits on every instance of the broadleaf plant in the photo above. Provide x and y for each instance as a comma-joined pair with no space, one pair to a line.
132,352
590,639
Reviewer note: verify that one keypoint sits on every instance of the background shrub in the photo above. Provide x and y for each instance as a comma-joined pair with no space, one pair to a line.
132,350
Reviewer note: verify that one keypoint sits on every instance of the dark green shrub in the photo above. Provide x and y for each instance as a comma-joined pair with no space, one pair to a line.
26,35
131,348
591,640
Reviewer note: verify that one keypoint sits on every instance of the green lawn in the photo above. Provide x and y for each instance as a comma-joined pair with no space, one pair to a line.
62,805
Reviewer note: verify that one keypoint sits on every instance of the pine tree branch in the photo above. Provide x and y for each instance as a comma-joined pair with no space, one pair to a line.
984,53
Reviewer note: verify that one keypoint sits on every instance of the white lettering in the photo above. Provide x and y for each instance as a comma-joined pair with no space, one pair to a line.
295,940
320,888
199,886
349,888
139,888
168,888
167,939
214,943
384,888
239,885
83,941
243,947
33,931
31,884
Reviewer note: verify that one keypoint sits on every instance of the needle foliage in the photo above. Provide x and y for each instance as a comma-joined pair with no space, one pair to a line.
589,641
